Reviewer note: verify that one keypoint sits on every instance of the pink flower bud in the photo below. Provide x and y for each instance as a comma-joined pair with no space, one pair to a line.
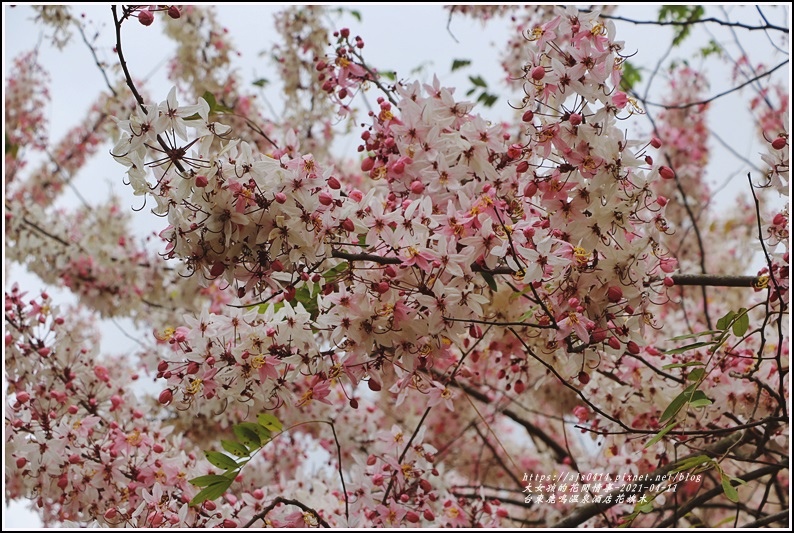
157,448
428,515
23,397
73,409
229,523
166,396
382,287
21,462
334,184
661,201
417,187
145,17
581,413
348,225
345,33
583,377
522,167
74,459
321,65
575,119
668,282
519,386
110,514
528,116
614,294
326,198
779,143
356,195
656,142
667,173
633,348
648,160
373,385
193,368
289,293
614,343
258,494
63,482
779,220
367,164
530,189
514,151
412,516
281,197
598,335
173,12
201,180
538,73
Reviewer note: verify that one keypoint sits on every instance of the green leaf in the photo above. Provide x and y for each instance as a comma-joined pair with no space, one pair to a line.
261,82
713,48
221,460
355,14
212,492
696,374
246,436
656,438
235,448
688,347
334,273
269,421
725,321
460,63
742,323
699,399
677,403
262,432
680,13
389,74
696,335
489,279
692,462
682,365
478,81
730,491
631,76
203,481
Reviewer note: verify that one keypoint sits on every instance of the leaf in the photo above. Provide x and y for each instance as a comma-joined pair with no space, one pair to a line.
235,448
389,74
723,322
246,436
677,403
355,14
696,374
212,492
688,347
333,273
742,323
460,63
699,399
692,462
261,82
656,438
203,481
478,81
262,432
713,48
631,76
221,460
695,335
730,491
269,421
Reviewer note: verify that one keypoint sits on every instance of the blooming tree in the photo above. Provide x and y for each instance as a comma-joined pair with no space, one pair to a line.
466,322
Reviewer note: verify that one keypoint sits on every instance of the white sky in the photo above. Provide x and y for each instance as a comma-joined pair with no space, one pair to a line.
398,37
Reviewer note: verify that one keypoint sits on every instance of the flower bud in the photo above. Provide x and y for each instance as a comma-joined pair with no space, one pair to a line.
528,116
633,348
519,386
367,164
428,515
614,294
217,269
173,12
201,180
412,516
575,119
373,385
779,143
326,199
166,396
614,343
656,142
668,281
667,173
417,187
334,184
281,197
538,73
584,377
348,225
145,17
21,462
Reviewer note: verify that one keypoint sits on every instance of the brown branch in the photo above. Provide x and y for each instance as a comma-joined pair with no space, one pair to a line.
278,500
712,280
782,516
716,491
587,512
698,21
